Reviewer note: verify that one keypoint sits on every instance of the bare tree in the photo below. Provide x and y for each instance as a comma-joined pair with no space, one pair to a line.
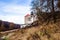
58,3
45,9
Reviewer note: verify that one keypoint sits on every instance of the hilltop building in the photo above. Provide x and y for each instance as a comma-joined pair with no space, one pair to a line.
30,18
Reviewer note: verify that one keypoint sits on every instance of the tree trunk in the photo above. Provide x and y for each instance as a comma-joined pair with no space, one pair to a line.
58,4
53,12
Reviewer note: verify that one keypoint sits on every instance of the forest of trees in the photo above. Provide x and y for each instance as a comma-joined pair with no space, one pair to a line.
46,10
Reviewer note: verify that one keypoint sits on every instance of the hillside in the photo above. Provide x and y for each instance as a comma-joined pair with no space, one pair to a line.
50,31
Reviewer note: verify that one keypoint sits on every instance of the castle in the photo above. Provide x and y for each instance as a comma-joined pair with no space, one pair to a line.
30,18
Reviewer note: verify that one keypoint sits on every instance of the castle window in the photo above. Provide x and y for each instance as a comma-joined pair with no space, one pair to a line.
29,19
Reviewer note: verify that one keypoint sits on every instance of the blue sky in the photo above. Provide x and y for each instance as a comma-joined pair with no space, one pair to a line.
14,10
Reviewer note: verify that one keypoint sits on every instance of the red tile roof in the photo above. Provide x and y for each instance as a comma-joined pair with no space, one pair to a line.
27,15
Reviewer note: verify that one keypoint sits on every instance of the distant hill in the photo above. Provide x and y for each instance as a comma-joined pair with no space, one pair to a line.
4,25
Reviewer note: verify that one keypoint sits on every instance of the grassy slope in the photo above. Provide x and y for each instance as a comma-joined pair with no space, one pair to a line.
41,32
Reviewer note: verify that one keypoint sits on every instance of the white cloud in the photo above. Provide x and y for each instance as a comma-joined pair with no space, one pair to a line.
13,18
16,9
21,11
13,12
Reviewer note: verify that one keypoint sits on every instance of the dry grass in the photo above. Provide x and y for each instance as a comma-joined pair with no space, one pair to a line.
41,32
